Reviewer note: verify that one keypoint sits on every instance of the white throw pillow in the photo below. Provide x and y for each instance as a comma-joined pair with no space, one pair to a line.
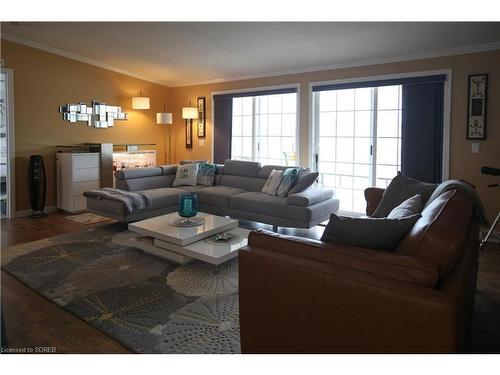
273,182
411,206
186,175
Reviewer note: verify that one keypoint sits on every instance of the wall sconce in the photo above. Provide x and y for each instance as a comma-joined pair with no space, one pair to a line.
140,102
188,114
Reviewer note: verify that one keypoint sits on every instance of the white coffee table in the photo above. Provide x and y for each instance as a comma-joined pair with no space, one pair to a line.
182,244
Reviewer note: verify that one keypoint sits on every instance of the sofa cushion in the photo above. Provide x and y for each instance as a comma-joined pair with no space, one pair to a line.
218,195
305,180
371,233
145,183
240,182
264,204
125,174
400,189
241,168
168,169
184,162
439,234
411,206
309,197
163,197
191,189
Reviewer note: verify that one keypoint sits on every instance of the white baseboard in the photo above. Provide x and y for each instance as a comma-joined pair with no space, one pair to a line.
25,213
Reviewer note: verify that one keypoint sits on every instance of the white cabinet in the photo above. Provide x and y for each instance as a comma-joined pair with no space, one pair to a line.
76,173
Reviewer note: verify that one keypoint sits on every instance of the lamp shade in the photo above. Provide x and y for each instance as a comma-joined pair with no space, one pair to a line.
189,113
140,102
164,118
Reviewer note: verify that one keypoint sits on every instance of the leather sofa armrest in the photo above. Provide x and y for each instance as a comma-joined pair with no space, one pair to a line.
373,195
393,266
309,197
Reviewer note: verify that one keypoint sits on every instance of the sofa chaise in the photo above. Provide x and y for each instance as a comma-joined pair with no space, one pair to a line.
236,193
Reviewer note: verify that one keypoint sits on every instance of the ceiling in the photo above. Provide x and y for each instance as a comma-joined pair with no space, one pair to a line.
177,54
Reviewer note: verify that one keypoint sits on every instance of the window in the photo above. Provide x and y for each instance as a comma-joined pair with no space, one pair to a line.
264,129
358,133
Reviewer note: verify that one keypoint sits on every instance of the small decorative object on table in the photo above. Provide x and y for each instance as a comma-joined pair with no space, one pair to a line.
224,236
188,209
224,239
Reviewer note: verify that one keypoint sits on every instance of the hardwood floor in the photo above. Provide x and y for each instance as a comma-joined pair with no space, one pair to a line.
30,319
33,321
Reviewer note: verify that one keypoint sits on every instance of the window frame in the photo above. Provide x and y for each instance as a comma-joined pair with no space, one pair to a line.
295,86
373,137
313,144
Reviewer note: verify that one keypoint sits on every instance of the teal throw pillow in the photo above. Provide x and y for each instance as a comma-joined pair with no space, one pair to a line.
287,181
206,174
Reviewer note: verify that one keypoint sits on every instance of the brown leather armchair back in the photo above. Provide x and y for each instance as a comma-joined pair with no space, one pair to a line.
440,234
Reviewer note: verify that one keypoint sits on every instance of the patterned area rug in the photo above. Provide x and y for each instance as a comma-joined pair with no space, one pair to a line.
148,304
88,218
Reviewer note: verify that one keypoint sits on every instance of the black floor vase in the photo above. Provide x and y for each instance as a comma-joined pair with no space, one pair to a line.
37,185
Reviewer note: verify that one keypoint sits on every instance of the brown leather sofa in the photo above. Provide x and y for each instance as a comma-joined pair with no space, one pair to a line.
299,295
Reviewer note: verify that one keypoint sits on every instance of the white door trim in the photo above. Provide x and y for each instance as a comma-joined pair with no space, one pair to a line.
446,108
11,180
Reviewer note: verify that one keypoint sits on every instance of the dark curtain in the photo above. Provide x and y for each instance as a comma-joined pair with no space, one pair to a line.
422,131
223,115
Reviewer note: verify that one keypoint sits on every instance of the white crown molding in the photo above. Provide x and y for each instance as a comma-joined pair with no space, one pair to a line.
74,56
427,55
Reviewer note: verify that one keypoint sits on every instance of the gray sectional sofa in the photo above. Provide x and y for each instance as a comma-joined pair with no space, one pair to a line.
236,193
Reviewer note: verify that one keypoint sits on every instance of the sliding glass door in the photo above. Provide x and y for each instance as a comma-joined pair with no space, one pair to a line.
357,133
264,129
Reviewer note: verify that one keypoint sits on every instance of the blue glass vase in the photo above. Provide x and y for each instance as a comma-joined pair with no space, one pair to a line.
188,206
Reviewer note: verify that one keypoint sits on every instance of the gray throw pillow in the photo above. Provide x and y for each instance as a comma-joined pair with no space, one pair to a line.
400,189
370,233
305,179
409,207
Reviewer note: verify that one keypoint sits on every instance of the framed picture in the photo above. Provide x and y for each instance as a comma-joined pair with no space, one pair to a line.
476,106
189,133
201,117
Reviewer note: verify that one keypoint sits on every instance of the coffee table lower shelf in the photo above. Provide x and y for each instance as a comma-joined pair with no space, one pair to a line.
207,250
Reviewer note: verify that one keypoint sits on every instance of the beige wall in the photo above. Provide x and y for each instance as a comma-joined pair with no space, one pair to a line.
44,81
463,164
